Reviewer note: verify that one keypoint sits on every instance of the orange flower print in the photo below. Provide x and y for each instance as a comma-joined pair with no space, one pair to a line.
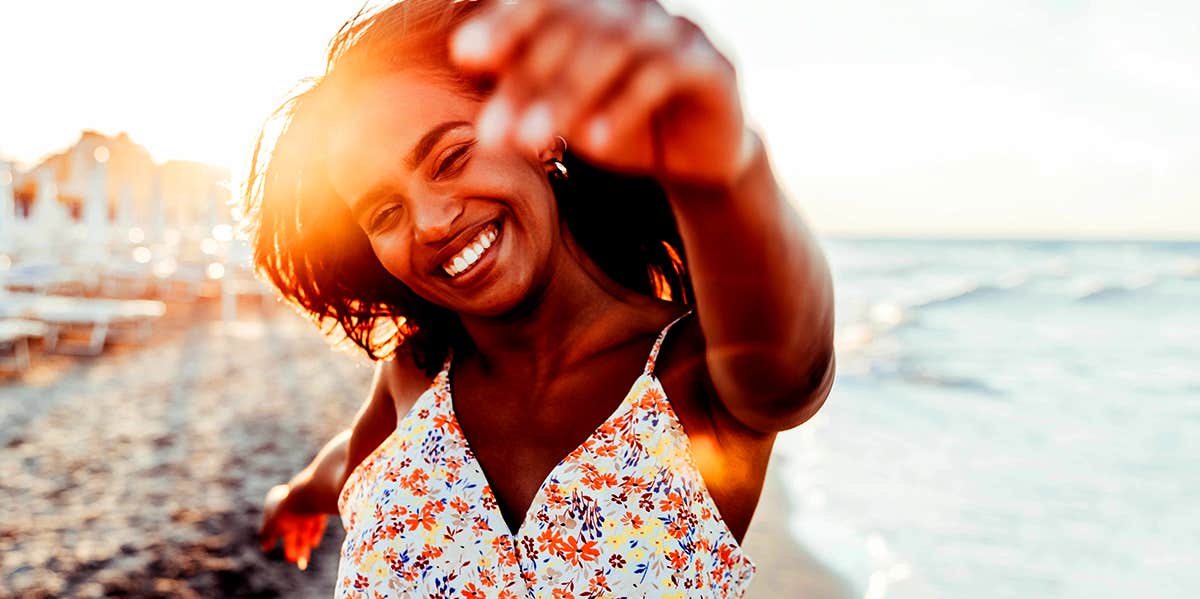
421,519
650,399
677,529
598,584
549,540
575,553
678,559
596,481
487,577
473,592
672,503
632,520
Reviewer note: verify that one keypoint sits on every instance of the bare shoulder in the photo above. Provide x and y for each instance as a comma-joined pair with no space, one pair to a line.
404,382
396,386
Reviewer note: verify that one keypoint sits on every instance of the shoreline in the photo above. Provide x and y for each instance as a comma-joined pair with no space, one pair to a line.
786,568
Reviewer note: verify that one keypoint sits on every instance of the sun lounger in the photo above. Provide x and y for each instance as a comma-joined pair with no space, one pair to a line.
14,342
44,277
83,325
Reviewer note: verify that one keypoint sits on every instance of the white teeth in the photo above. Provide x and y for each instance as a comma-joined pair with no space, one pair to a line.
472,253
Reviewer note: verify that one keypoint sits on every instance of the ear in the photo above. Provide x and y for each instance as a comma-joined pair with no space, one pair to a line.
553,152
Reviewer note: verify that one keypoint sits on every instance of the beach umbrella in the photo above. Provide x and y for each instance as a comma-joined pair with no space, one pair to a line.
125,208
214,209
48,217
158,210
95,211
8,210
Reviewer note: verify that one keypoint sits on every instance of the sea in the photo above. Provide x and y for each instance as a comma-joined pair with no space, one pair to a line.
1010,419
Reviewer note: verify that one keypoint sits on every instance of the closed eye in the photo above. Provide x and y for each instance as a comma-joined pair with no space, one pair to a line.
453,162
384,217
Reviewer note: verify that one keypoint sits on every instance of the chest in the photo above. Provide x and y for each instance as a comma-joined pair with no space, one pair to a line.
519,430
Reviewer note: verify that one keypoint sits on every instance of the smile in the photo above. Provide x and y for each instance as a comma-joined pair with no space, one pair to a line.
472,253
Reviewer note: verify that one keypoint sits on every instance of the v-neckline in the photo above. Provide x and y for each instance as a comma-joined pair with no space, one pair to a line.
537,495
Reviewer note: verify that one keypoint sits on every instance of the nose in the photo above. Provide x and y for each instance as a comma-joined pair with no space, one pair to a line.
434,216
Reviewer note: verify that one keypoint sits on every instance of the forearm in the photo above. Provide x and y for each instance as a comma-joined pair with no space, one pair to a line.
315,489
763,293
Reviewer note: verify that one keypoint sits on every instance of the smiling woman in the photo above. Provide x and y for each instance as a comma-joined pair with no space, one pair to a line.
422,201
316,242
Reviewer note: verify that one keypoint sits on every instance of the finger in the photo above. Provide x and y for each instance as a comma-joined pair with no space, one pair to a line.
603,61
320,532
496,120
534,72
695,68
300,550
487,42
312,532
291,545
266,534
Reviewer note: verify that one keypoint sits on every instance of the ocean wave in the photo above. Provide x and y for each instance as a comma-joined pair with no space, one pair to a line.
874,322
1107,290
959,383
975,290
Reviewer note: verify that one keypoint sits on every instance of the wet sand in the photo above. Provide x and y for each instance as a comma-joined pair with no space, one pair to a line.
140,473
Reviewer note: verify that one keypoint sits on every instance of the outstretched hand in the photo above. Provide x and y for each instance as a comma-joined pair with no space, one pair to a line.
630,87
300,532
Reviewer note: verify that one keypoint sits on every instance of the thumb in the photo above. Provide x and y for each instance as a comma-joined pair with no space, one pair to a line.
267,534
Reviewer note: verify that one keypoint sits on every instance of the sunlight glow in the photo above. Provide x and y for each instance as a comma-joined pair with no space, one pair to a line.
919,118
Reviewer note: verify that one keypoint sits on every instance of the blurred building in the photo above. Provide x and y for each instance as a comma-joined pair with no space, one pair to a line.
191,193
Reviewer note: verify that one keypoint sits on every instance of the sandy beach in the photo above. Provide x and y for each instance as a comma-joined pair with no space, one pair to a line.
140,473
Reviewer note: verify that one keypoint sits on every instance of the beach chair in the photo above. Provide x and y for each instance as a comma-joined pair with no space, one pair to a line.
44,277
15,334
81,326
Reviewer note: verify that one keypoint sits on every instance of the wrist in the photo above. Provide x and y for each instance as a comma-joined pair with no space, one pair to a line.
299,497
749,170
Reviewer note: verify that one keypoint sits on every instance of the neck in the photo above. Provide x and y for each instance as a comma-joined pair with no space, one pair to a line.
563,322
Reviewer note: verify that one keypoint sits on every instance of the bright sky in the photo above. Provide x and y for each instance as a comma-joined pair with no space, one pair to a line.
961,118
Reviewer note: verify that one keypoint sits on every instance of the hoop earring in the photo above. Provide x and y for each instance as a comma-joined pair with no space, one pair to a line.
560,171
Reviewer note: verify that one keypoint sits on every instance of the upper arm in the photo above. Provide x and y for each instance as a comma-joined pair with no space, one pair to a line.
392,388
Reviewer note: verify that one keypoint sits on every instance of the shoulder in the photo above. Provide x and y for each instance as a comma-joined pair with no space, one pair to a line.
402,381
395,388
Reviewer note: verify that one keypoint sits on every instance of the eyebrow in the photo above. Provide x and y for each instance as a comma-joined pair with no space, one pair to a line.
415,157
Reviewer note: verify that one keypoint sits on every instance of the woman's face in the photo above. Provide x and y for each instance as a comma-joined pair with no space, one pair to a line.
467,227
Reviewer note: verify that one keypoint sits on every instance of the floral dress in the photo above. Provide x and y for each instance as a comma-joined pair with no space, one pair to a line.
626,514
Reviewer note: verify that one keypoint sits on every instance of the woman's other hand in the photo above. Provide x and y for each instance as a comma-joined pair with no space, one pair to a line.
631,87
300,531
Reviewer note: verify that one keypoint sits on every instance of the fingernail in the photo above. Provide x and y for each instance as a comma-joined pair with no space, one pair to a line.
494,121
656,23
598,133
472,41
536,125
302,563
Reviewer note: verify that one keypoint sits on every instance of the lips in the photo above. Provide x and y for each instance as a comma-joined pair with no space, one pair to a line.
467,249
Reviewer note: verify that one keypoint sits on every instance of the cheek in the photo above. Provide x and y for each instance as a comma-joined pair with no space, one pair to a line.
393,254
